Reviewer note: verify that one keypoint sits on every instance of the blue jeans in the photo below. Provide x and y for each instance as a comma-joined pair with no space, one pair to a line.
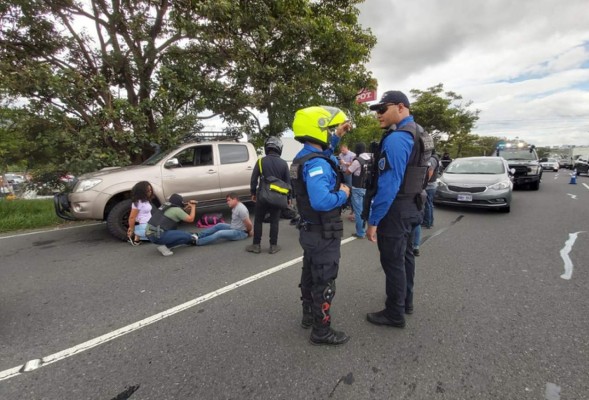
428,217
416,236
219,231
140,231
171,238
358,204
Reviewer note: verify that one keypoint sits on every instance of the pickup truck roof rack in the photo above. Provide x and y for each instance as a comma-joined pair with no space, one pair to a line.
203,136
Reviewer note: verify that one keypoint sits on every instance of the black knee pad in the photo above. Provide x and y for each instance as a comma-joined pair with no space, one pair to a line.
329,291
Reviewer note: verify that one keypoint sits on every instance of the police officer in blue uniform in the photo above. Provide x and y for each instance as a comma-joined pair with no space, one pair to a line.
404,153
320,194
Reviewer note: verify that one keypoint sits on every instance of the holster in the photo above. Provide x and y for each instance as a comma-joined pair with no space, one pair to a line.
420,200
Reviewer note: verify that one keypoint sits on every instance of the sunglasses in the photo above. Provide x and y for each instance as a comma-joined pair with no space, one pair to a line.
383,109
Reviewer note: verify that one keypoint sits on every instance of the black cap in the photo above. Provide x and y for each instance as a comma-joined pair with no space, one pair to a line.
176,200
391,97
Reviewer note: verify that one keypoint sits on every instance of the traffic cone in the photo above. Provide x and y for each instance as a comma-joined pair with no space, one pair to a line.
573,178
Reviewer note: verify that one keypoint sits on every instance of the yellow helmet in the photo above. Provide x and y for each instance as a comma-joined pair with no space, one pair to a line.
312,124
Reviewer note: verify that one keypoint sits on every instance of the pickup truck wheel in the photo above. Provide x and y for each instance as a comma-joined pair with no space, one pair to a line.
535,185
118,219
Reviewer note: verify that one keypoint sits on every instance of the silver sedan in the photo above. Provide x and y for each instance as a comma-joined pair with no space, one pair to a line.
483,182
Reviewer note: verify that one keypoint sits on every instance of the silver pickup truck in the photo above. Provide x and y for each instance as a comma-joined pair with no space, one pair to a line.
203,171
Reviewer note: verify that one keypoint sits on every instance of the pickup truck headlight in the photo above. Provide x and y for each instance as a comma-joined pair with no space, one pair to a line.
86,184
500,185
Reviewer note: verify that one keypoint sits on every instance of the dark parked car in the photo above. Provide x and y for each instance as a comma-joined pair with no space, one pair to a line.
582,165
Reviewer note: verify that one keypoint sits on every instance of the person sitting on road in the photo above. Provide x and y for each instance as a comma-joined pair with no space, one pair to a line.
161,228
141,195
240,228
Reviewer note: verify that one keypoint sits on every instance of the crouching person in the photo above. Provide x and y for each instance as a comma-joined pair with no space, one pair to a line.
161,228
240,228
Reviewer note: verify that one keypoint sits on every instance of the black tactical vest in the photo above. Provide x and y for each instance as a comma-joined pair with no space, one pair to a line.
158,219
416,174
302,196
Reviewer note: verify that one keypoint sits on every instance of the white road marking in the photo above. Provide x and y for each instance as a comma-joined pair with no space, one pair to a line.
50,230
38,363
552,391
564,254
587,186
574,196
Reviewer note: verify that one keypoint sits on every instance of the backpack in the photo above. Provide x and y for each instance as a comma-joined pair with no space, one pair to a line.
208,220
366,167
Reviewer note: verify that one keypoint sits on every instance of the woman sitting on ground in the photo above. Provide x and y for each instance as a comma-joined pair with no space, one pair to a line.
141,195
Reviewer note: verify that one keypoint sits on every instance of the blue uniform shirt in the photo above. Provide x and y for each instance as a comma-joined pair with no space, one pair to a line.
397,147
320,178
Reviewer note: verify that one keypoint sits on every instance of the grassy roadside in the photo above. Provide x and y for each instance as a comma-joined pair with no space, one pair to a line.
27,214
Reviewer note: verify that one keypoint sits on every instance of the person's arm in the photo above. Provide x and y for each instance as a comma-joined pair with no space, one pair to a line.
354,165
192,213
321,196
248,226
132,219
254,180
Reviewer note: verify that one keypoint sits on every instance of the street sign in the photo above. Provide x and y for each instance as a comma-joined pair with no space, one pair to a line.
366,95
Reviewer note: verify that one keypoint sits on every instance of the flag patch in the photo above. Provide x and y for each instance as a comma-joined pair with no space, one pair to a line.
315,171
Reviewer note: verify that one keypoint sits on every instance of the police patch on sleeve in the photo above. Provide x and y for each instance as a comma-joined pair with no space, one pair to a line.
315,171
382,163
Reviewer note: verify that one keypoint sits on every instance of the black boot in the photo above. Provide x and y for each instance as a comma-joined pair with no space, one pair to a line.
328,337
307,320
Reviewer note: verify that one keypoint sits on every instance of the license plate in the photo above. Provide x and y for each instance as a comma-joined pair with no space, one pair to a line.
465,197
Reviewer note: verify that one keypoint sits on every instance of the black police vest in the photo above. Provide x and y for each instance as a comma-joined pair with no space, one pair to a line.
416,174
302,196
158,219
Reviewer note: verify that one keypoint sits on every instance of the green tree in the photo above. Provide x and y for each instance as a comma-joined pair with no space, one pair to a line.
446,116
118,75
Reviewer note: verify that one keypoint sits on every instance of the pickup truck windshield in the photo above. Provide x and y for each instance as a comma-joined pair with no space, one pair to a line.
154,159
517,155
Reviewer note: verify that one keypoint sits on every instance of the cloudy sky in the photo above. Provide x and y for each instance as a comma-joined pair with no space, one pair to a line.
524,64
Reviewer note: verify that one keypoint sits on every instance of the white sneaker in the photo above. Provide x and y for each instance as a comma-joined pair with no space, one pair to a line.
194,239
164,250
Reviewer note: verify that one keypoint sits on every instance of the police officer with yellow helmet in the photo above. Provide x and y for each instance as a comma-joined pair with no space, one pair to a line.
320,194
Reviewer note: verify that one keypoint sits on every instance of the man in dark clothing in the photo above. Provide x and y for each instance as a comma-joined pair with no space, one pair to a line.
271,165
397,207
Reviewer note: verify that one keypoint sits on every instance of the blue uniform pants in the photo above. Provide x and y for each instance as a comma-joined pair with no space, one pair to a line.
396,256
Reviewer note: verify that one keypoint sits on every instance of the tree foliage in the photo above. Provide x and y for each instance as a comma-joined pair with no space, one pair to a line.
446,116
114,75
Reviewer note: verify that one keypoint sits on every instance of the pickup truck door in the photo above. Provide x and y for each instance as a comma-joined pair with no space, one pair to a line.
235,169
195,175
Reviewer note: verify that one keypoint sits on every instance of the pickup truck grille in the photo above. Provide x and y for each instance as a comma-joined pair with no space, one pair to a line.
475,189
520,170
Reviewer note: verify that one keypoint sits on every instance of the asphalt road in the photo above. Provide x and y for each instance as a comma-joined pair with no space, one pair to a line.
493,317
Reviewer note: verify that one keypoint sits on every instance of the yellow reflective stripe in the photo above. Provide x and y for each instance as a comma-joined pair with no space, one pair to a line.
278,189
260,165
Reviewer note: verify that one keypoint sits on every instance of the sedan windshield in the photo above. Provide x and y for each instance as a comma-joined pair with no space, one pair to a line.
476,166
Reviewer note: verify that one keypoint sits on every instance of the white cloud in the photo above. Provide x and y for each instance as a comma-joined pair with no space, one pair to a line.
524,64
